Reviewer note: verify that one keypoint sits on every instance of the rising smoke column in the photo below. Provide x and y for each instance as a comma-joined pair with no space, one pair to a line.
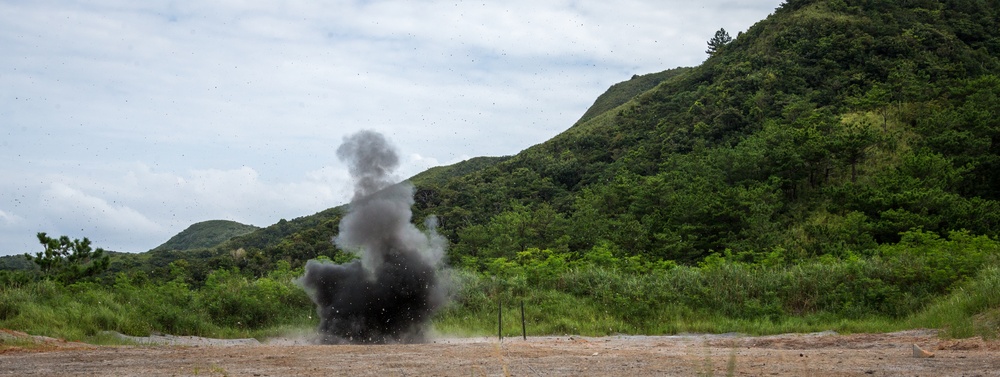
389,295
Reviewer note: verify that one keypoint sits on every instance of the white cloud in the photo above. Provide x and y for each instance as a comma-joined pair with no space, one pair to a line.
9,219
237,194
69,206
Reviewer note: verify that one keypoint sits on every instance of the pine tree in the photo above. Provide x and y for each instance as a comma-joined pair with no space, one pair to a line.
68,260
720,39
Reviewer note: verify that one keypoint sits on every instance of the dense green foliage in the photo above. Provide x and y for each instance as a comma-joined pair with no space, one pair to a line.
837,166
68,261
922,281
628,296
206,234
228,304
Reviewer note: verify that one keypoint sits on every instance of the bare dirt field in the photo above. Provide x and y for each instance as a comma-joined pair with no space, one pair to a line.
822,354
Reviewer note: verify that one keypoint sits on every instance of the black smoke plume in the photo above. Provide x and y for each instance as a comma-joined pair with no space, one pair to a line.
390,294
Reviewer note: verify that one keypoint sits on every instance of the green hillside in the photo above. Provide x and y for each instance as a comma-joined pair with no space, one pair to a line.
205,234
826,129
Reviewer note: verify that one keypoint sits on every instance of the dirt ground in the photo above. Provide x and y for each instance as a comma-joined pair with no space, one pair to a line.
822,354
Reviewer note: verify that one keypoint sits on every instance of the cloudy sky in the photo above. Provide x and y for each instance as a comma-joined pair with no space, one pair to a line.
127,121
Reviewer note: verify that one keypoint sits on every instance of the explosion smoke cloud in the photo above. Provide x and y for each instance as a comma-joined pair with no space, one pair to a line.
390,294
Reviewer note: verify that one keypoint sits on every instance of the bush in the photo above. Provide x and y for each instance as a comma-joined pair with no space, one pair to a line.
235,301
928,264
229,305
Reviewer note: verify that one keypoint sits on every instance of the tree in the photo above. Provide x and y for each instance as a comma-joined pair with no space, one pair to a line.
878,99
853,143
69,261
720,39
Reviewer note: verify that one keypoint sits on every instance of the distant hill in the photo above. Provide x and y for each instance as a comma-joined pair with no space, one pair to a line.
16,262
205,234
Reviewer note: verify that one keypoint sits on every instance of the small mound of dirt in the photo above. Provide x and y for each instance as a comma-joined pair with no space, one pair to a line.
969,344
18,341
176,340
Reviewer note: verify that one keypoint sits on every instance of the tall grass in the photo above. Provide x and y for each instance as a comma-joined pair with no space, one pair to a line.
952,285
230,306
972,310
599,301
903,289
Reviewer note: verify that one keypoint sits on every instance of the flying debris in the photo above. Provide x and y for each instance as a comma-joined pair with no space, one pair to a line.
389,295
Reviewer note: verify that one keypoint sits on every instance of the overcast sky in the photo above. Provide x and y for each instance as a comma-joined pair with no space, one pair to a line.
127,121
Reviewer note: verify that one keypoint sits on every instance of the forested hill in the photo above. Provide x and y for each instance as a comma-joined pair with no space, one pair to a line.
827,128
206,234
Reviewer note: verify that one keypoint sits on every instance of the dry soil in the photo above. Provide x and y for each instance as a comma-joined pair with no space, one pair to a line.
822,354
